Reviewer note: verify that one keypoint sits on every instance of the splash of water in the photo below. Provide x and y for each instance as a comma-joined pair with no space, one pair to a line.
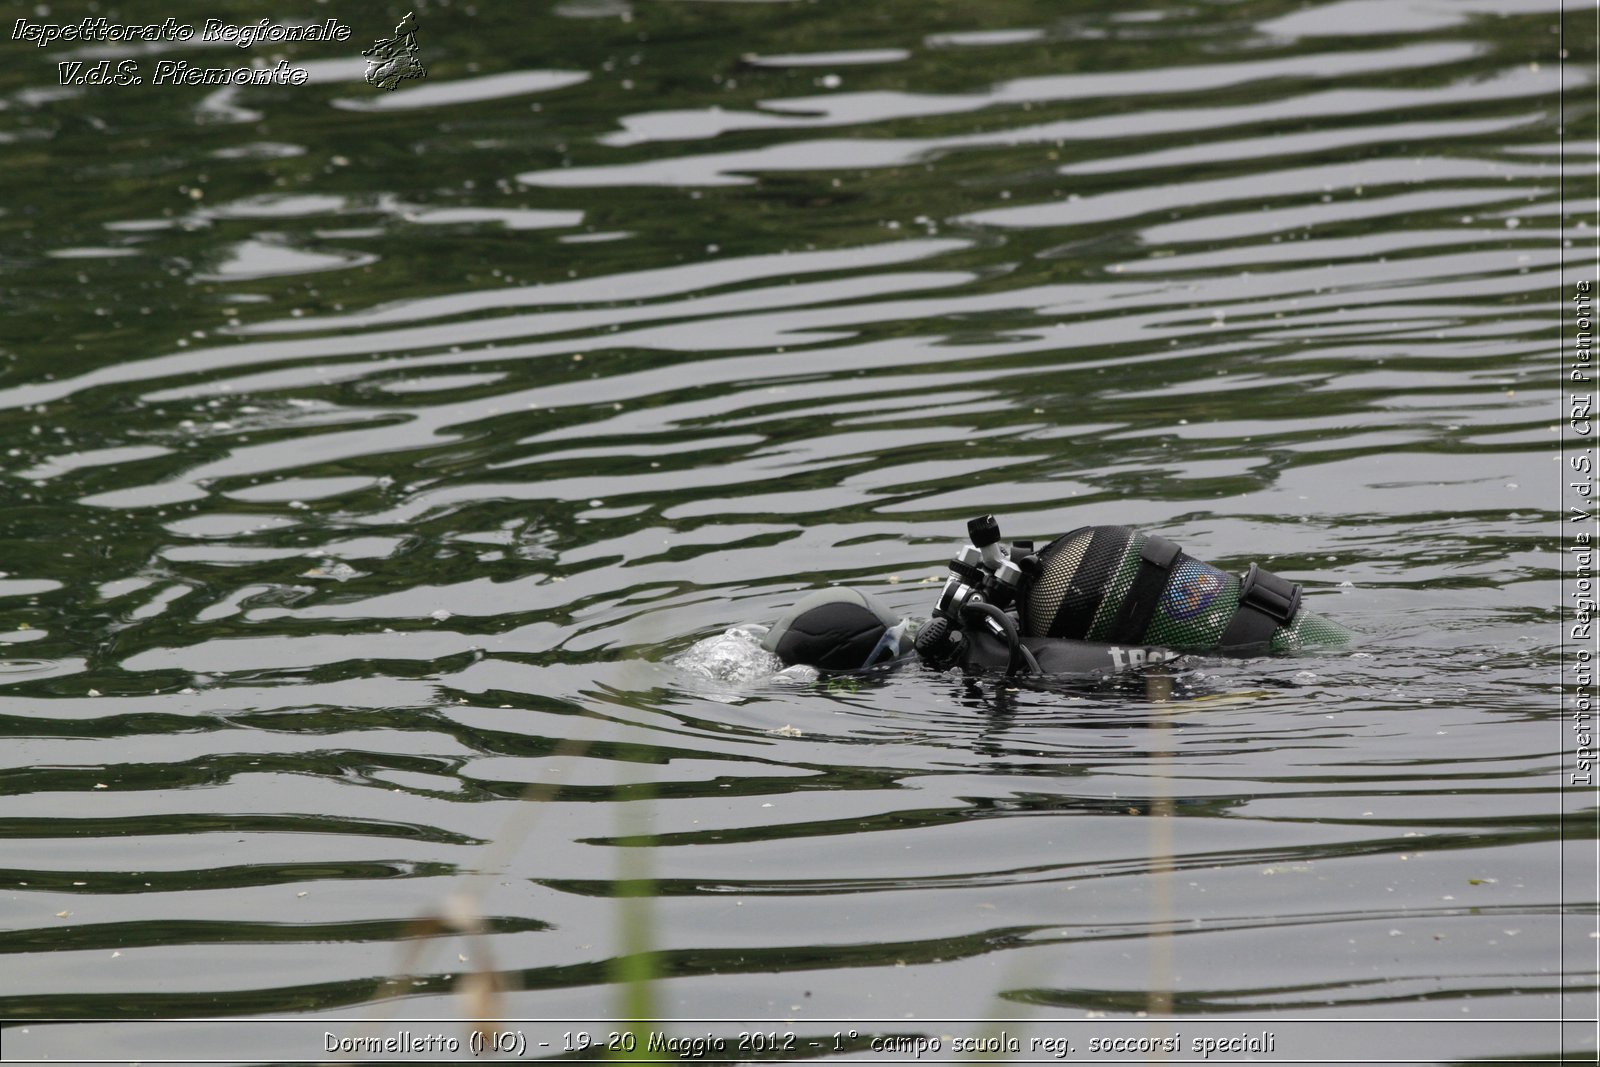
735,657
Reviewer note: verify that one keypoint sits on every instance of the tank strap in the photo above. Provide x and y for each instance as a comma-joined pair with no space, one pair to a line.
1081,598
1157,560
1266,602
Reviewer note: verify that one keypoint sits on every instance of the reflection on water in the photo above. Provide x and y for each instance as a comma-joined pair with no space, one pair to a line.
370,456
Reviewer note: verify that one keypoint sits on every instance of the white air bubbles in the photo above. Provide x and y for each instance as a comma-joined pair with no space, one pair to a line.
733,657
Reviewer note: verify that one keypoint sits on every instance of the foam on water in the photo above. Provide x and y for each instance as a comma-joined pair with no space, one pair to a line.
735,657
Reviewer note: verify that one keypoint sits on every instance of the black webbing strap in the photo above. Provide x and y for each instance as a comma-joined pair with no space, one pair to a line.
1157,561
1081,600
1266,602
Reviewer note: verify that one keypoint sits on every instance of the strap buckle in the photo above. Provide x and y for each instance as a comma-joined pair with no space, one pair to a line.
1275,597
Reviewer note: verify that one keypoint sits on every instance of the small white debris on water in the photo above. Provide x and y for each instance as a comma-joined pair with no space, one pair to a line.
440,615
335,570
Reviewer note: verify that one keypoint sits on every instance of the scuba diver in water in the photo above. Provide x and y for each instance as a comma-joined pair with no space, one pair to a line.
1096,601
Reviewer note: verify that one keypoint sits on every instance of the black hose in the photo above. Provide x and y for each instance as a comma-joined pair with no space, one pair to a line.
1008,626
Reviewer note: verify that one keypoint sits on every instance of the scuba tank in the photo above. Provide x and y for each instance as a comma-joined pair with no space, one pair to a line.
1110,583
1102,599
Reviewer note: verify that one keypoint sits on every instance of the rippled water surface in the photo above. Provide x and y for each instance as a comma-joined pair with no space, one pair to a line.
368,456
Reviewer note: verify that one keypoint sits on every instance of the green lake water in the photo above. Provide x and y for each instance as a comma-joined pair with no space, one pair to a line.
367,455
